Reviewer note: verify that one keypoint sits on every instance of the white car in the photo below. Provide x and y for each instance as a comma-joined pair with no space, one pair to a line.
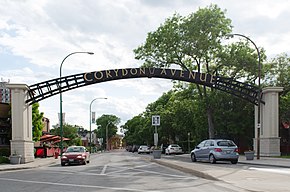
143,149
173,149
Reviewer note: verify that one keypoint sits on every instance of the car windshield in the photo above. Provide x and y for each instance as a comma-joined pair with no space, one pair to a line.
174,145
226,143
75,149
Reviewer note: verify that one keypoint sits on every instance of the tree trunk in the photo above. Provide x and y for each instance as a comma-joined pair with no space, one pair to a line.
210,123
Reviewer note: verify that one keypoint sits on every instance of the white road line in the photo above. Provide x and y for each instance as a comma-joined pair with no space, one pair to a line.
75,185
104,170
275,170
126,169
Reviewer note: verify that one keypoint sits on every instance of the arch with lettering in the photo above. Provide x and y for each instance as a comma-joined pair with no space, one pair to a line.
46,89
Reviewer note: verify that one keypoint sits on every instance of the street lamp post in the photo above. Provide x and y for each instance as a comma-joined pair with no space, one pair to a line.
259,93
60,98
188,143
107,137
91,121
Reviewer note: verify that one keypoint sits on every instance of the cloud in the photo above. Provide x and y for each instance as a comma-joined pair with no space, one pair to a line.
35,37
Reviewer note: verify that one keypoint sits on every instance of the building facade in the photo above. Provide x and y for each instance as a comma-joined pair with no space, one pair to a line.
5,93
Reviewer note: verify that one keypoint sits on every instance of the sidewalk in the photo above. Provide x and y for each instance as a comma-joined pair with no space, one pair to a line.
250,178
38,162
264,161
267,161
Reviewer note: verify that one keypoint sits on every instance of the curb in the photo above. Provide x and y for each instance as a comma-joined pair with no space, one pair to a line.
32,165
186,170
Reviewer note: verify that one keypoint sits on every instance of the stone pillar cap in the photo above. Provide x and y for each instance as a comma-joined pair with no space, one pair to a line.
17,86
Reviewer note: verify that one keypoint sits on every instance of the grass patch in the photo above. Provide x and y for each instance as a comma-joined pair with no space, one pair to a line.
4,159
285,156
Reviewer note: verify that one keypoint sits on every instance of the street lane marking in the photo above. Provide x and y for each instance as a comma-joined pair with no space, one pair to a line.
281,171
76,185
126,169
104,170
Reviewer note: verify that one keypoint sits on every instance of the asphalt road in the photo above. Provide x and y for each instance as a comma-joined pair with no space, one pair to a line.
108,172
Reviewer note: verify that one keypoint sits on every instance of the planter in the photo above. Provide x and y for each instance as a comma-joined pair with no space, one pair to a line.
15,159
156,154
249,155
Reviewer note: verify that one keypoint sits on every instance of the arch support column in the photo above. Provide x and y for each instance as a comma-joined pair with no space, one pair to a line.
21,114
269,132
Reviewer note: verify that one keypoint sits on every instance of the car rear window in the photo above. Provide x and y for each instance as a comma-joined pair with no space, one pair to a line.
75,149
226,143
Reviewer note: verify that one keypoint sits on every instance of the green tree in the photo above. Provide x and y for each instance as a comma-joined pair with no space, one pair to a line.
37,124
134,130
108,122
196,42
278,72
279,75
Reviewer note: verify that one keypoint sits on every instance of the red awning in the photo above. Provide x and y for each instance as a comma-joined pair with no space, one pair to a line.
64,139
47,136
52,138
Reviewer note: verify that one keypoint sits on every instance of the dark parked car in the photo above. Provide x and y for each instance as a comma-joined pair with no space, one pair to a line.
75,155
135,148
216,150
129,148
163,147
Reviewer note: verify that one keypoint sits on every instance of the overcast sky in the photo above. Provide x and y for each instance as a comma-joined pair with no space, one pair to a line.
35,36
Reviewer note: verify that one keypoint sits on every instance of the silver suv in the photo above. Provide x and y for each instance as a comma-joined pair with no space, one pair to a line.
213,150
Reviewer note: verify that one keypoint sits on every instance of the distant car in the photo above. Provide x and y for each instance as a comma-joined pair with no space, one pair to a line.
143,149
173,149
163,147
214,150
135,148
75,155
129,148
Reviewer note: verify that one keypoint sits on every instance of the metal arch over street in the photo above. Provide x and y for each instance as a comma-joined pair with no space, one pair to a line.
46,89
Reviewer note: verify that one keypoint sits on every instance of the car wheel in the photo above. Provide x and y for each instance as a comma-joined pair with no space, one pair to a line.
234,161
193,158
212,159
62,164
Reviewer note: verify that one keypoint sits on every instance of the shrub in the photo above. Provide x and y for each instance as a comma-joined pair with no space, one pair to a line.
4,152
4,160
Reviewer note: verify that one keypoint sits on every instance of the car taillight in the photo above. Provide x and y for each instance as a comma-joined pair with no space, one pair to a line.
218,150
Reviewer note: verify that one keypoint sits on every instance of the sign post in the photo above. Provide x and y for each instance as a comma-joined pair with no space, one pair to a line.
156,122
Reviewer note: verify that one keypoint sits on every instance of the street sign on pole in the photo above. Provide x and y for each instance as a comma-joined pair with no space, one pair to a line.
156,120
155,139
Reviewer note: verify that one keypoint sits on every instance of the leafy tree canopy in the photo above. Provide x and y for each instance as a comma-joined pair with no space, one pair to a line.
37,124
108,122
